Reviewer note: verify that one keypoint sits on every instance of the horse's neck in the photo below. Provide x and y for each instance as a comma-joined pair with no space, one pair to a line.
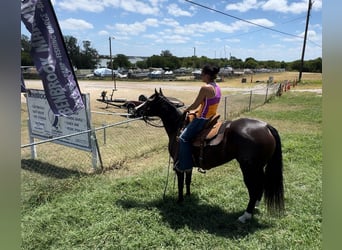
172,124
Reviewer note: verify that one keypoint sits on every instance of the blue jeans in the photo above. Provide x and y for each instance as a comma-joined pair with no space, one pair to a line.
185,143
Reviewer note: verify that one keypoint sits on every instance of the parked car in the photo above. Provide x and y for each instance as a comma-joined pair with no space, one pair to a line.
105,72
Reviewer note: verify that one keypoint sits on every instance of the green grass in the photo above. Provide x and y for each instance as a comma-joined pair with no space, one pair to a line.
113,211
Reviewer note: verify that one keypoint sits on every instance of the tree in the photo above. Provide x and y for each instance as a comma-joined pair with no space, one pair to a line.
26,59
141,64
155,61
120,61
71,46
314,65
236,63
295,65
283,65
166,53
89,56
250,63
86,58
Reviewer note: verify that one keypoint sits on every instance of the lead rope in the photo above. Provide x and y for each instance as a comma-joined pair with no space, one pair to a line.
167,177
168,172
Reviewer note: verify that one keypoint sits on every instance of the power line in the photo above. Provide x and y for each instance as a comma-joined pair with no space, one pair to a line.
254,31
243,20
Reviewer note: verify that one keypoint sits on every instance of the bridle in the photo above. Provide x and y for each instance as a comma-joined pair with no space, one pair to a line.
146,118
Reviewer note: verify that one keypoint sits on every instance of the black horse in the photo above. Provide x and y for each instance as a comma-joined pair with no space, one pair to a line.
256,145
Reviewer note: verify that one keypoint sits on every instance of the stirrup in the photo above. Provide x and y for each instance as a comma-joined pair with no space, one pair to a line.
201,170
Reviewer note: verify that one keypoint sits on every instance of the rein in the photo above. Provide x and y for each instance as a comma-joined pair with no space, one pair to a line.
145,118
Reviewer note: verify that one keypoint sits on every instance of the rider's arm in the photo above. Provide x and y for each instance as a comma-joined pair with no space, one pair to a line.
200,97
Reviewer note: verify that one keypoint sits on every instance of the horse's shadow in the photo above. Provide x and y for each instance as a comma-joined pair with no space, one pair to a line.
197,216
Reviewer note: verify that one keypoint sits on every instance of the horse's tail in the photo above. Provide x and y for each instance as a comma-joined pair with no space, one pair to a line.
274,188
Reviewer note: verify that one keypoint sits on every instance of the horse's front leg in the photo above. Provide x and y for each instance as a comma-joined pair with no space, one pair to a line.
188,176
180,178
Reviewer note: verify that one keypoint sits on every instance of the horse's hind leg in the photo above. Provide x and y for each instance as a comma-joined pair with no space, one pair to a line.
188,176
253,179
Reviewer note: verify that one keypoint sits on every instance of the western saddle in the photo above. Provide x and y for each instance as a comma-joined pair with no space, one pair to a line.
211,135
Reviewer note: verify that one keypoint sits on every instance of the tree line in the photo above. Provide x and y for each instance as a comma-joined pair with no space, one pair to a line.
87,57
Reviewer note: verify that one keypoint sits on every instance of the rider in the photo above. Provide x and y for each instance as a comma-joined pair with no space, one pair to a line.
205,105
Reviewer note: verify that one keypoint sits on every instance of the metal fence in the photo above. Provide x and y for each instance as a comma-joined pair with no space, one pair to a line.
243,101
121,140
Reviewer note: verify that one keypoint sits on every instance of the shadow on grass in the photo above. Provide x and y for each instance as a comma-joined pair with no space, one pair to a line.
198,216
50,170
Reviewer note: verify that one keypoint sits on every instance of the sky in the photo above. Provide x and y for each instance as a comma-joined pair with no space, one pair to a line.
264,30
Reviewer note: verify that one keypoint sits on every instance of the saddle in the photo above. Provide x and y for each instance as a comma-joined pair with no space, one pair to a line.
212,133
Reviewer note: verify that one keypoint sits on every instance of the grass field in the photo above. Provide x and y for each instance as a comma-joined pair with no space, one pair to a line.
124,209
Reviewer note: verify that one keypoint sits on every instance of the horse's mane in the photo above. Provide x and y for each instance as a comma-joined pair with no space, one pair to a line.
171,116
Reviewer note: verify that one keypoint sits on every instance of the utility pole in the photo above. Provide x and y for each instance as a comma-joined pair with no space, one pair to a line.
111,61
304,44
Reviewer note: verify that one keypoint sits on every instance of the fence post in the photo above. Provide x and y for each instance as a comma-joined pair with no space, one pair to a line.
250,101
266,94
104,133
93,149
33,147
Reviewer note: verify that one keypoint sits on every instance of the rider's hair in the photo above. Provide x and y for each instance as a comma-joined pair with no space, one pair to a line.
211,70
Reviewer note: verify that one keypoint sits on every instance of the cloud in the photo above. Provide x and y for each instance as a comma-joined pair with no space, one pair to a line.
103,33
139,7
262,21
244,6
85,5
317,5
97,6
283,6
294,7
172,39
135,28
216,26
130,29
174,10
75,24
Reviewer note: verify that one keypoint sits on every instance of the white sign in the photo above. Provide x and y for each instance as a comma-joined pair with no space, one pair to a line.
45,125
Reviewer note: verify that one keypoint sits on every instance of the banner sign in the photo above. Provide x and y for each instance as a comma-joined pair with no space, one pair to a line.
44,124
51,58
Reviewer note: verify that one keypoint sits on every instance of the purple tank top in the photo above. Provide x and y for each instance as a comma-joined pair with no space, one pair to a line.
210,105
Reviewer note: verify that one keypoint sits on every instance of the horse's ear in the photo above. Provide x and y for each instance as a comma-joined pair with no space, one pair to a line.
155,91
160,91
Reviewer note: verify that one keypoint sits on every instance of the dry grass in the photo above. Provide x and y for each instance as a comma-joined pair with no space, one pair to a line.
184,90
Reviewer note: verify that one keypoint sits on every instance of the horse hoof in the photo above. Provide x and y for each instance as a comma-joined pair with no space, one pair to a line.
246,216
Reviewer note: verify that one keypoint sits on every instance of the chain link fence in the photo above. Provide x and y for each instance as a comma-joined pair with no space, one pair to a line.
120,139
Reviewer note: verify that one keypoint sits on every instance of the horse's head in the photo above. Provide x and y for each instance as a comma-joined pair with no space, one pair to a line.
152,106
